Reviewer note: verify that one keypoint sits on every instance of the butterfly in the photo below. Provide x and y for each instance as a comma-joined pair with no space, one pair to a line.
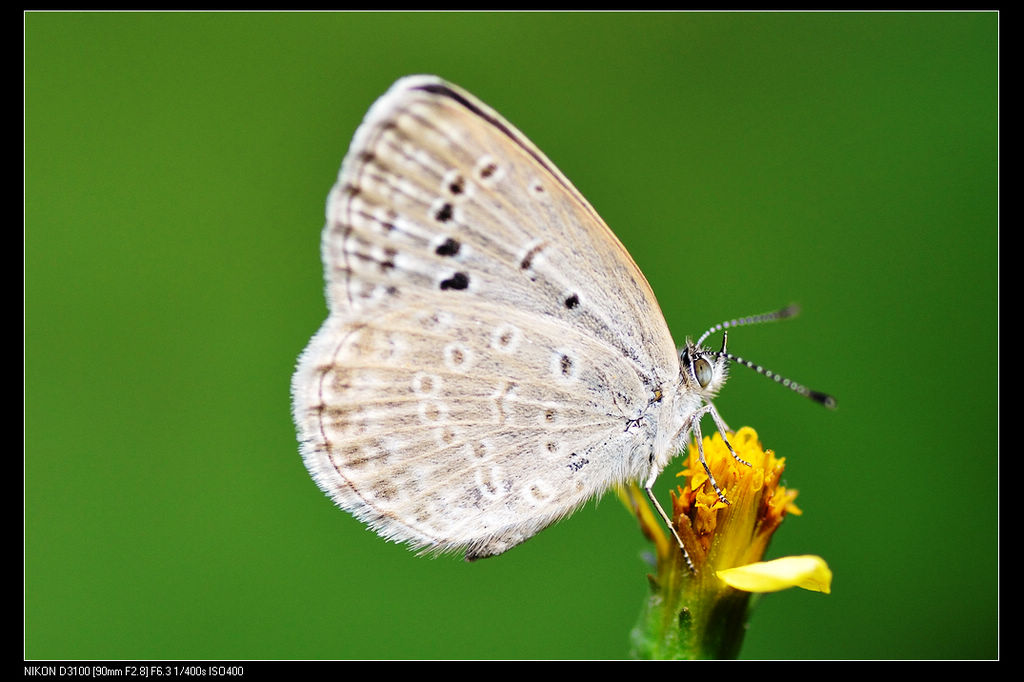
493,358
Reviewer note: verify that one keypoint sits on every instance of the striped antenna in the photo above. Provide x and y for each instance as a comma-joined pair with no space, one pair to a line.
792,310
817,396
789,311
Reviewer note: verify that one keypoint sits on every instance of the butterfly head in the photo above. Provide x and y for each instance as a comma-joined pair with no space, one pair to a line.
703,370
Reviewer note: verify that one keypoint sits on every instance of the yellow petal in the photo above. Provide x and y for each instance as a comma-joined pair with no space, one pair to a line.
809,572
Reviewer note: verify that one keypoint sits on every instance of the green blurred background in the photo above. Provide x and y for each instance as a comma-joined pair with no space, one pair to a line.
176,169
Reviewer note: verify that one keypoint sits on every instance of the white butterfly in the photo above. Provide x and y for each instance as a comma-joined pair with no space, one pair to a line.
493,357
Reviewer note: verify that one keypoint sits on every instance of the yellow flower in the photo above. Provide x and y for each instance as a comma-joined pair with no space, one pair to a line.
702,612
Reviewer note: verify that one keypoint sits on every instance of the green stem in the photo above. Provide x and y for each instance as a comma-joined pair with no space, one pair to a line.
691,617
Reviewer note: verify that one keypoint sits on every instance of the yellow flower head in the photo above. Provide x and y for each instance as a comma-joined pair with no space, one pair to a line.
720,536
701,611
698,608
737,533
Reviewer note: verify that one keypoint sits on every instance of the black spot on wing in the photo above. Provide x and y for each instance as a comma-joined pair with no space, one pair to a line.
449,248
458,281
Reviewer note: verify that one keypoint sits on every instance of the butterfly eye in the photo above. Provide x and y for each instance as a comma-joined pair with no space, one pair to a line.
702,370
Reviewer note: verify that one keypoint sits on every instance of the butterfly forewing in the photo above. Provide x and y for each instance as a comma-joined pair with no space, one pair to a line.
492,353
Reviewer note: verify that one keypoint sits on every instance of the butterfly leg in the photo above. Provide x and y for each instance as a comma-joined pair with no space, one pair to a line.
668,522
723,428
700,452
699,438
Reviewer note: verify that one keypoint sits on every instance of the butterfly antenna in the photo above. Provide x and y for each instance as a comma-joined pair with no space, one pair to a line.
817,396
791,310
